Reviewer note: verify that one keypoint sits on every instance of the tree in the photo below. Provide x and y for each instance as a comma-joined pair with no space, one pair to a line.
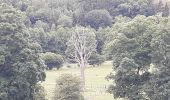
40,36
80,47
131,58
158,87
57,40
127,80
68,87
53,41
98,18
52,60
20,65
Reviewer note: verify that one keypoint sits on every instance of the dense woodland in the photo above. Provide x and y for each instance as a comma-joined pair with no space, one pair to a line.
39,35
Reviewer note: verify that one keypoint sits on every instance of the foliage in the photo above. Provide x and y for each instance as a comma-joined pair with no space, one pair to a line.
160,60
20,65
96,59
131,58
40,36
129,8
41,24
39,93
68,88
57,40
144,42
98,18
65,21
52,60
53,41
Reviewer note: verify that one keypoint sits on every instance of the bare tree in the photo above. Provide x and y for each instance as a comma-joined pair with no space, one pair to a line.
80,47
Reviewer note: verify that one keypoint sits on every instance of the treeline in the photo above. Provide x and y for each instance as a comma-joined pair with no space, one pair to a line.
94,13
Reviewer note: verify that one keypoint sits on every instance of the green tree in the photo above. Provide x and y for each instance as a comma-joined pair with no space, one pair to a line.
158,87
52,60
41,37
57,40
20,66
98,18
131,58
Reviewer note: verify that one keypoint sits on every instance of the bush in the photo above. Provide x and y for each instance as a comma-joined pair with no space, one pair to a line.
98,18
52,60
68,88
96,59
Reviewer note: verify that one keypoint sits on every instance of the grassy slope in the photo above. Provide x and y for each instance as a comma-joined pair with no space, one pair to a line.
96,84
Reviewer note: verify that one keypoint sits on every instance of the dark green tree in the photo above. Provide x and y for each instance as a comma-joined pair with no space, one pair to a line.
42,38
98,18
52,60
20,66
158,87
57,41
131,58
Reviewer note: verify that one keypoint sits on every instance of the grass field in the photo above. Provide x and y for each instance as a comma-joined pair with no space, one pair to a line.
96,85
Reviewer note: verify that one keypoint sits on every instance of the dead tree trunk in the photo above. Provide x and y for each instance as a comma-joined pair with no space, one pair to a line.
80,47
82,71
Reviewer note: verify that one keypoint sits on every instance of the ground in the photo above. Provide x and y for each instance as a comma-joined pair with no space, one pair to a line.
96,84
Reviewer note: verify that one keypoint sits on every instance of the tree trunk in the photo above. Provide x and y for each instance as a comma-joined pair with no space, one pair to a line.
82,71
83,78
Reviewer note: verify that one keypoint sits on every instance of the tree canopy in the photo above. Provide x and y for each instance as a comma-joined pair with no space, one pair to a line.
20,66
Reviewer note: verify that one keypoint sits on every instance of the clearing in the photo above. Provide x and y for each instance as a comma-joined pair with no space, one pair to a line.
96,84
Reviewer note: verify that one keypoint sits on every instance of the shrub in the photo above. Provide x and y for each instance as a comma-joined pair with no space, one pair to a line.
96,59
68,87
52,60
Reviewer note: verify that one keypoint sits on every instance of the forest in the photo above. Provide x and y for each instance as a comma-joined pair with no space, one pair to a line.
84,49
